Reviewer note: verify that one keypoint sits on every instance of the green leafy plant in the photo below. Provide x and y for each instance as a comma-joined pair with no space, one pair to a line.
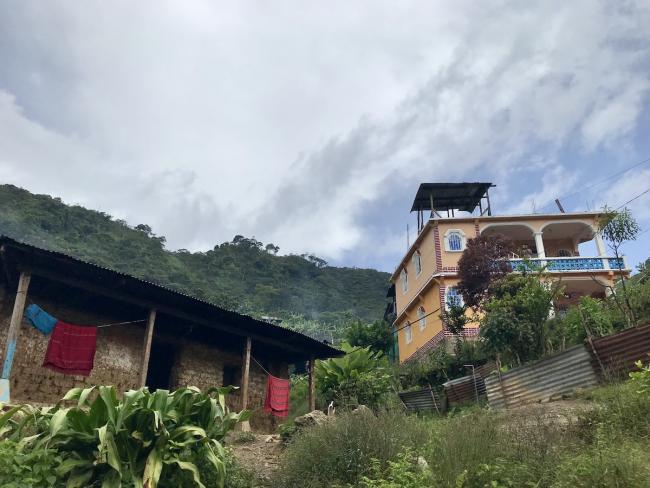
642,377
21,468
134,441
361,377
405,472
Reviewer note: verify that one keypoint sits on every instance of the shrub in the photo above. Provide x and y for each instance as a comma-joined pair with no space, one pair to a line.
27,469
361,377
405,472
342,452
138,440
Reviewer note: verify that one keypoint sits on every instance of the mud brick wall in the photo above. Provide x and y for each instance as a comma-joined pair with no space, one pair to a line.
202,366
117,360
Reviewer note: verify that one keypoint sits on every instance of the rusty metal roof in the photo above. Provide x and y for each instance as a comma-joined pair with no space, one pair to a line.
62,267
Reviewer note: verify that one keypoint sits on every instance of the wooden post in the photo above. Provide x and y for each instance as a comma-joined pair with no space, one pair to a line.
148,337
14,325
245,426
246,373
312,395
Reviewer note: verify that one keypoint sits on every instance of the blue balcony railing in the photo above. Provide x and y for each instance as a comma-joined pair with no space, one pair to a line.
568,264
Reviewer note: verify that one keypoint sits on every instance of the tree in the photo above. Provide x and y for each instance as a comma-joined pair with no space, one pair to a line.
515,316
484,261
377,335
272,248
618,228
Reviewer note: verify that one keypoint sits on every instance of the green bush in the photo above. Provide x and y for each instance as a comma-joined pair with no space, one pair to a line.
361,377
134,441
405,472
21,468
342,452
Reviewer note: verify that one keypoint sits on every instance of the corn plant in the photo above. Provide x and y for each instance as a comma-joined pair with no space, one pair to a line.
134,441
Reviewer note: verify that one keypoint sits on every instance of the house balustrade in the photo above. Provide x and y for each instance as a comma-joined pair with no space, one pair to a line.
578,263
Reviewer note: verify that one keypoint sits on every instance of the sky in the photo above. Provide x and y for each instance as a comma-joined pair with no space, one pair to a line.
311,124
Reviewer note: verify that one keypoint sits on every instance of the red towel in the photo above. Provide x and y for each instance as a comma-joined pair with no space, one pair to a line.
71,349
277,396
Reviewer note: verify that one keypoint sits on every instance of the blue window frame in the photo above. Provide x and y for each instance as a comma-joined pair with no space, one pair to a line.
453,298
455,241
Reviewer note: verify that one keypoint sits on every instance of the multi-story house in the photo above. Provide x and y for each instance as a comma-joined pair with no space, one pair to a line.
425,279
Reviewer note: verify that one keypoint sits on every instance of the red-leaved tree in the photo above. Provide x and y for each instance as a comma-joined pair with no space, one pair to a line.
484,261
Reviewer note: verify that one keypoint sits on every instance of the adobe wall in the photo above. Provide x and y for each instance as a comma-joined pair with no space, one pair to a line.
118,361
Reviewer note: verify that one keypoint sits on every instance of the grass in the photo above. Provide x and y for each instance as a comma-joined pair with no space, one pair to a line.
605,445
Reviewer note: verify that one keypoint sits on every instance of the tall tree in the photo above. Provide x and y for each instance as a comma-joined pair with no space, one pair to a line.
618,228
484,261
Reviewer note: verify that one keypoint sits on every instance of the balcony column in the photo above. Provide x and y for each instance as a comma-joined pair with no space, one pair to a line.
600,247
539,245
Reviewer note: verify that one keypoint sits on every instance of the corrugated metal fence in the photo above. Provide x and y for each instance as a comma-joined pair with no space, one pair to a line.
425,400
618,352
581,366
465,390
558,374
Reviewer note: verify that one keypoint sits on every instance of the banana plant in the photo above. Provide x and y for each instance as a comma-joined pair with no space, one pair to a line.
132,441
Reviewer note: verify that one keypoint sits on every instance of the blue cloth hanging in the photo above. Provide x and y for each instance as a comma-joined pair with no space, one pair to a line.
40,319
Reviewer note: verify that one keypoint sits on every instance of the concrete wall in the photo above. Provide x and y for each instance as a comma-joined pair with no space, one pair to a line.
118,361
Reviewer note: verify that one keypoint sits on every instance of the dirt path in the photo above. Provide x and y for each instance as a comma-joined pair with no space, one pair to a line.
260,454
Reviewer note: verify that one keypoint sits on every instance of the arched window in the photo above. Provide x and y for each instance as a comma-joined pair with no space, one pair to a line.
417,262
408,334
404,278
455,240
422,318
453,298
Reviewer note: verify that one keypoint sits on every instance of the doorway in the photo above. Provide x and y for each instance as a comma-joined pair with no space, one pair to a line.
161,362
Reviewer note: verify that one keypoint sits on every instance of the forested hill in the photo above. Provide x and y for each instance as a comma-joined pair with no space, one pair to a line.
244,274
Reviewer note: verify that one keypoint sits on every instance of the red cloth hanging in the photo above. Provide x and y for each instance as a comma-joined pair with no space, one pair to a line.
71,349
277,396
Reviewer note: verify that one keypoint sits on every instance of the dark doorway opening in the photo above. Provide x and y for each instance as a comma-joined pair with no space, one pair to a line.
161,362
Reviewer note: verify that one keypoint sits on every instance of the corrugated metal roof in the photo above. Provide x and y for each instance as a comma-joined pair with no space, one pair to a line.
38,258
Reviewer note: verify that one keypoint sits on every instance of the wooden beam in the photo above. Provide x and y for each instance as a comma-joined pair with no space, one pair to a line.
148,337
312,389
245,426
14,325
559,205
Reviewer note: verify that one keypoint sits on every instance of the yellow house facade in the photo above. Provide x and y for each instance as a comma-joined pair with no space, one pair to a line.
425,279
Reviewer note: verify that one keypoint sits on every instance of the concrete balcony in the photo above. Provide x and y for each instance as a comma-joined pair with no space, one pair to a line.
570,264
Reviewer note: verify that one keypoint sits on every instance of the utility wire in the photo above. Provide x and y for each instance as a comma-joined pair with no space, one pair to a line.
645,161
632,199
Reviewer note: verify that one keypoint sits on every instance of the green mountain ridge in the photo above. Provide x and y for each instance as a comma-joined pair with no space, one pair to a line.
242,275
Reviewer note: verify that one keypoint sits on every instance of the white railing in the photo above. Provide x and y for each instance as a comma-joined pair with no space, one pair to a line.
575,263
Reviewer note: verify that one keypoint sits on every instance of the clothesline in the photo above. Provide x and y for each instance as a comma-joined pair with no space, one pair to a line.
258,363
112,323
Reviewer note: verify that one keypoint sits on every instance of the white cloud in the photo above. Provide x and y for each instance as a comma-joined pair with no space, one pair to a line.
287,121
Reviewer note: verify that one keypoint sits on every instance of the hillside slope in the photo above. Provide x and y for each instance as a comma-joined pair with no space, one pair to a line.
243,274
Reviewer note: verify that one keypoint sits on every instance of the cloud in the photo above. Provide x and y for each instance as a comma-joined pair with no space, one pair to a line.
296,123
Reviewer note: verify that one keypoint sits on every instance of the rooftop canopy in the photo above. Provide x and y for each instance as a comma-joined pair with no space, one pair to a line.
448,196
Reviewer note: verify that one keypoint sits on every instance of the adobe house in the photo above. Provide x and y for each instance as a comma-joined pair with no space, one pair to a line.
147,334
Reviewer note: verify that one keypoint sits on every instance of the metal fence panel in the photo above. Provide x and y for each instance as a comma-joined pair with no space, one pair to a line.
561,373
618,352
463,391
424,400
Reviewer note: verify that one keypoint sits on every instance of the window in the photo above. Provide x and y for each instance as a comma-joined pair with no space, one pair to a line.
453,298
408,334
564,253
454,240
422,318
417,263
404,278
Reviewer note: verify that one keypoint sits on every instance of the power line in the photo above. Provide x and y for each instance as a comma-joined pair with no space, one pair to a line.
568,195
632,199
